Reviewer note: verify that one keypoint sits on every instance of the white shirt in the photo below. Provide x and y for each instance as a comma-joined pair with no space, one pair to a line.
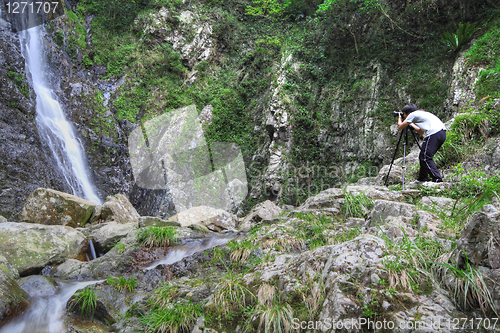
428,122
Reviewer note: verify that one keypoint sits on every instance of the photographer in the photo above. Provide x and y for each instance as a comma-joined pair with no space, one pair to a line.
434,132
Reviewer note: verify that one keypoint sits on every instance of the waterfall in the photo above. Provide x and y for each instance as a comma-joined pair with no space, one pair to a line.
52,125
45,314
92,250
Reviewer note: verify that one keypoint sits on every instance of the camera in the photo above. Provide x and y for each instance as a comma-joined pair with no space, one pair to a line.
396,113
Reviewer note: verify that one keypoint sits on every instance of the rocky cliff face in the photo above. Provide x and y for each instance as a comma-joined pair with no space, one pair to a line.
306,136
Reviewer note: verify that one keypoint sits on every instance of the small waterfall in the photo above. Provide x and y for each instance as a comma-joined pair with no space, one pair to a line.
180,252
92,250
51,121
45,314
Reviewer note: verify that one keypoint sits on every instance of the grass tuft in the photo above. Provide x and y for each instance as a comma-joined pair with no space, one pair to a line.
157,236
87,300
121,283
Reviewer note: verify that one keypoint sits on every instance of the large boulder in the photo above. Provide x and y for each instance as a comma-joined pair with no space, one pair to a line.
38,286
51,207
119,209
325,199
479,243
264,211
212,218
13,300
30,247
105,235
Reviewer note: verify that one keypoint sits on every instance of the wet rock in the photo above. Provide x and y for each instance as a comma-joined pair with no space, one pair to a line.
38,285
479,241
29,247
51,207
117,208
24,164
213,219
263,211
105,235
100,313
13,300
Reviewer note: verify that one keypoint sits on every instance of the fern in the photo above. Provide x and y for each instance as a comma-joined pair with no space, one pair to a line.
465,31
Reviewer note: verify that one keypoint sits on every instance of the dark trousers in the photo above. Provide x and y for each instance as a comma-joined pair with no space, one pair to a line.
430,146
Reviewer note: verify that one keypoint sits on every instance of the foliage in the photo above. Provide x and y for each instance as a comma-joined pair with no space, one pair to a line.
232,294
59,38
356,205
157,236
163,295
485,52
276,315
466,285
87,300
240,250
466,135
465,31
173,318
407,262
121,283
271,9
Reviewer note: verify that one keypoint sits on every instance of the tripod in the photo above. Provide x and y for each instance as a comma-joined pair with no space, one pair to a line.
405,134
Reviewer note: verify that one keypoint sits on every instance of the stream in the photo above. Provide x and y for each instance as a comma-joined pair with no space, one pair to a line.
46,313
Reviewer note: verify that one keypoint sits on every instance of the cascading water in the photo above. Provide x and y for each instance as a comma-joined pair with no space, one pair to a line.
44,315
180,252
52,124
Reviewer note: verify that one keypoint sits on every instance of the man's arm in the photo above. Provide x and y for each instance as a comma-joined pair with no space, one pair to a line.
402,125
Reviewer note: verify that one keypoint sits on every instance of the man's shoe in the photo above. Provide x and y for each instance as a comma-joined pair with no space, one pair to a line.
437,180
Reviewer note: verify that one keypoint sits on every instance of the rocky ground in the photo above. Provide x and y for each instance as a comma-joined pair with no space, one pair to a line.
349,256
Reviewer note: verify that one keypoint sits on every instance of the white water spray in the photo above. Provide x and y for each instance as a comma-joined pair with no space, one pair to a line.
45,314
52,124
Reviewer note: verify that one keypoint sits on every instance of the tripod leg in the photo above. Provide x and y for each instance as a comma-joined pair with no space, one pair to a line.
415,138
404,155
393,157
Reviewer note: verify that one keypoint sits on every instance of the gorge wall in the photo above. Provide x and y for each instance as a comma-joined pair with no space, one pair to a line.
307,96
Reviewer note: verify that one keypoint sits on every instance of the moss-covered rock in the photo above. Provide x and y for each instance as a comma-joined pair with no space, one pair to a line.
51,207
29,247
13,300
